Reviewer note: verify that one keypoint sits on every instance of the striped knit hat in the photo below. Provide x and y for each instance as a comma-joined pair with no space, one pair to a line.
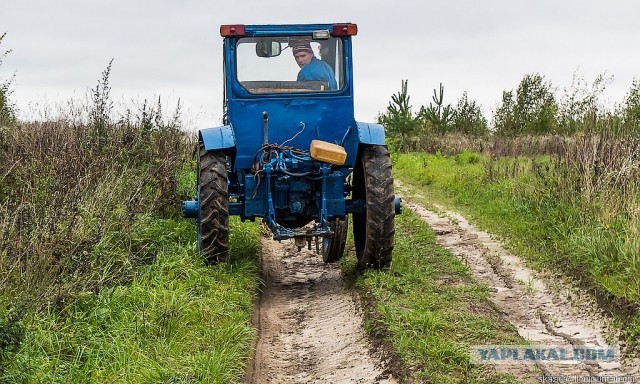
302,46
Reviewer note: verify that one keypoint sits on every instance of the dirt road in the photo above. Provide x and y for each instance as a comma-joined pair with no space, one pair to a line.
309,328
546,311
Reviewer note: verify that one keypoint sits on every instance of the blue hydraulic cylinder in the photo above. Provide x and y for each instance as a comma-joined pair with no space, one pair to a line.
190,209
397,202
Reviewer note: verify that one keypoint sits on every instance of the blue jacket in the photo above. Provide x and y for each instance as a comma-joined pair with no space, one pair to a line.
318,70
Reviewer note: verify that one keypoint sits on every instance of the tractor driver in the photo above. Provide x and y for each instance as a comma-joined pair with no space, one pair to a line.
312,68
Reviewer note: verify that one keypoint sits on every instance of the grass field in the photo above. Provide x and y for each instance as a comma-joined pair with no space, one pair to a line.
178,321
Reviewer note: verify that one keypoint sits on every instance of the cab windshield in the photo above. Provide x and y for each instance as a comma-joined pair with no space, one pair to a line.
290,64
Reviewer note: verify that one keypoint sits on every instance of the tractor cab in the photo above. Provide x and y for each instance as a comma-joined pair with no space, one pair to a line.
264,78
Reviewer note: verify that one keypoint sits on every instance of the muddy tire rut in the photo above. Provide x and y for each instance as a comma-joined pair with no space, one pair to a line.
310,330
545,311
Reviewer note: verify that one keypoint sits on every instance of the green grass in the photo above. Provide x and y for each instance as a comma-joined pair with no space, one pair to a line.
177,321
551,226
431,310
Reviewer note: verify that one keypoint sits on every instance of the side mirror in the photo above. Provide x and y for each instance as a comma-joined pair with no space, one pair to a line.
268,48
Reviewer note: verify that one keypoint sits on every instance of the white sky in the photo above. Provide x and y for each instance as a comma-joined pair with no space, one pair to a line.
173,49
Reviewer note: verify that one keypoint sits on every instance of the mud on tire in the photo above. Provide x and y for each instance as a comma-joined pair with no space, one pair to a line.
374,229
213,195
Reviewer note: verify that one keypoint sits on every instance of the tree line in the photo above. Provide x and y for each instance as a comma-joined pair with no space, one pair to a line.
533,108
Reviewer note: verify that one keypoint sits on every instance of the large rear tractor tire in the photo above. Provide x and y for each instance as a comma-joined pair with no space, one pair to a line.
374,229
333,247
213,195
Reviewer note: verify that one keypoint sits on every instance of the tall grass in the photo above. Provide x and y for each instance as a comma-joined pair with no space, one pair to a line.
76,193
64,190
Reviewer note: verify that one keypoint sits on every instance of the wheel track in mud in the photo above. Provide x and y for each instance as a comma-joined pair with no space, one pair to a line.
310,330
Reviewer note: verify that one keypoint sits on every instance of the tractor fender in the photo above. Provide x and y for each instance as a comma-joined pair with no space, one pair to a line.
217,137
370,133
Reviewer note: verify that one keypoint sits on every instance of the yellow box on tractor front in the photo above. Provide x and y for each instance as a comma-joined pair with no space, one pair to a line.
327,152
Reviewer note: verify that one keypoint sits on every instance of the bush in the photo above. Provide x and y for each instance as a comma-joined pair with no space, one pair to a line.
11,335
7,108
467,158
468,118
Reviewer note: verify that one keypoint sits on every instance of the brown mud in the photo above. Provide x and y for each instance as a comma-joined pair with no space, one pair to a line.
310,330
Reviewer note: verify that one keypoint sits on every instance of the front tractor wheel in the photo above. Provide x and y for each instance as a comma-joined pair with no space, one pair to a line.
333,247
374,229
213,195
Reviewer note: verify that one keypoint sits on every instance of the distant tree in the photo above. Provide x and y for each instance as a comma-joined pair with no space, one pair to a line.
468,118
437,114
537,105
406,129
7,108
533,111
504,118
399,121
631,108
579,109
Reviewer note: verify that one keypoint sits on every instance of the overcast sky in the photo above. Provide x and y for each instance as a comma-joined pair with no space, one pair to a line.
173,48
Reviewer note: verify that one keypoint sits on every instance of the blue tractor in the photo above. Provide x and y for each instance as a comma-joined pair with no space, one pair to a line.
290,151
